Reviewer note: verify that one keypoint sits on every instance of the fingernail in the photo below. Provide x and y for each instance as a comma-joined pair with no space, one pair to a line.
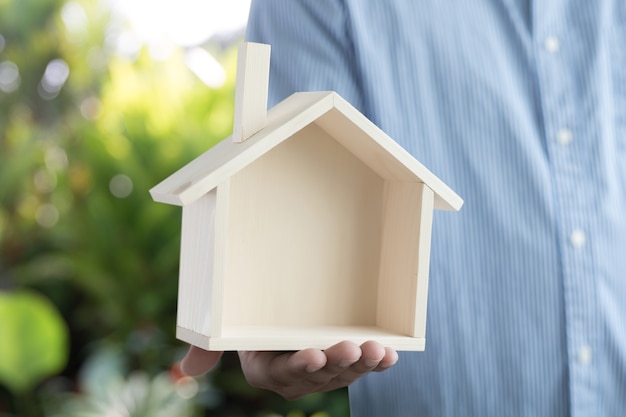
345,363
312,368
370,363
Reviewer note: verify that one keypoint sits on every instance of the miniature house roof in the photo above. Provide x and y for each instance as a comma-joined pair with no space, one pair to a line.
330,112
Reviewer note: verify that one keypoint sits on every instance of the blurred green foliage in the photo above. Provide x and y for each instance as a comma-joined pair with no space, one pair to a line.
38,338
85,132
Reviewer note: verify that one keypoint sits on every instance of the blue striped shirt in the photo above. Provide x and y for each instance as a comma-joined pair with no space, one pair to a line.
520,106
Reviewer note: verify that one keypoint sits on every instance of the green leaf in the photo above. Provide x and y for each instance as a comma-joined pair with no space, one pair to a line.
33,340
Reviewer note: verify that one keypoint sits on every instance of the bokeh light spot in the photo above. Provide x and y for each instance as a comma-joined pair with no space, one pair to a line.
53,79
45,181
47,215
121,186
187,387
91,108
9,77
75,20
56,159
205,67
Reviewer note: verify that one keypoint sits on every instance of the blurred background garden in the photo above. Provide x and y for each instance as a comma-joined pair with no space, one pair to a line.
99,101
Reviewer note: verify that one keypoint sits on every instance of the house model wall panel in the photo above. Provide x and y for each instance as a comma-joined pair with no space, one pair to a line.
197,261
405,257
320,267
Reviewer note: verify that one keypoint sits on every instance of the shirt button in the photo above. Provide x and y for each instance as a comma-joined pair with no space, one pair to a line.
564,137
584,355
578,238
552,44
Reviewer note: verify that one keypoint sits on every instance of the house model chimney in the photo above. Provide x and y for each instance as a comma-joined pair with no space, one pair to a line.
253,73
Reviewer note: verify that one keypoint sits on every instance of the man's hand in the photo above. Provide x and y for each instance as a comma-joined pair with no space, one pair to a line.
198,361
296,374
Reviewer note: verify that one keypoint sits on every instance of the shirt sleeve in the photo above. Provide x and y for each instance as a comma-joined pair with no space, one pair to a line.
312,48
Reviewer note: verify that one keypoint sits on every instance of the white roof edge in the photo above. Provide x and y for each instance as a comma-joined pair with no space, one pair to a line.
225,158
445,197
209,169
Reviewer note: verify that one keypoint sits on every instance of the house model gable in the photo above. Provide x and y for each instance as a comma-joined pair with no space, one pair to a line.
307,227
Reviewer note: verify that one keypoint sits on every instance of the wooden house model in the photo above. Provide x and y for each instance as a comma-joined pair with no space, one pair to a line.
308,226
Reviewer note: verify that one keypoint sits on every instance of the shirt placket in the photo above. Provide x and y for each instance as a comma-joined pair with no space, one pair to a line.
569,136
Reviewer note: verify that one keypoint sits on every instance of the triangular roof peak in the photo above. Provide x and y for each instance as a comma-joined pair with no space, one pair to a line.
330,112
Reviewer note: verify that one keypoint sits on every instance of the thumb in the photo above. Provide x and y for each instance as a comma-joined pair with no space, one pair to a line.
198,361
